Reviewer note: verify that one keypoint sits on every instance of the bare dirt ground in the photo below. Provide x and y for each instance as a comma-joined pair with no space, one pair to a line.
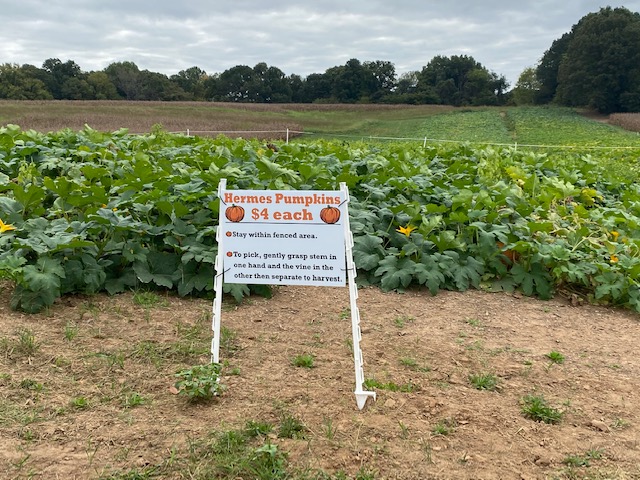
67,378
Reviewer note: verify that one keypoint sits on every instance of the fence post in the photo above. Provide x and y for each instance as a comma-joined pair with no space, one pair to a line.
424,145
187,132
287,142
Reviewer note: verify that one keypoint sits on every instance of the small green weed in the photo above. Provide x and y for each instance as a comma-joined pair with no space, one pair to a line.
474,322
536,408
444,427
583,460
484,381
255,429
27,343
199,383
404,430
30,384
70,331
555,357
328,428
402,320
80,402
133,399
291,427
304,360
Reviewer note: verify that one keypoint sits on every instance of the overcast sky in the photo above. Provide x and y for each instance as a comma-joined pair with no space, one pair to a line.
300,37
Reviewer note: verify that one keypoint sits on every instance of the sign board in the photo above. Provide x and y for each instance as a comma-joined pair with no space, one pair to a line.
283,237
287,237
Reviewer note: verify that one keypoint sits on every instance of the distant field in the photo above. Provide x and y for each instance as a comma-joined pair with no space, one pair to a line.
140,117
546,126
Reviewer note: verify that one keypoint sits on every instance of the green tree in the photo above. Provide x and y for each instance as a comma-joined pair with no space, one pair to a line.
65,80
126,78
269,84
548,67
383,79
351,82
317,86
157,86
233,84
192,82
601,66
527,88
461,80
19,83
102,87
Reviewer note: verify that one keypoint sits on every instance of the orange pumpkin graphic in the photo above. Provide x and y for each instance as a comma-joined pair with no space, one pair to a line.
330,214
234,213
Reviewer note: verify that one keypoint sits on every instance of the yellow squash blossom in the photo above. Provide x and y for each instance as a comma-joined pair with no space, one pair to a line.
613,259
615,235
406,230
5,227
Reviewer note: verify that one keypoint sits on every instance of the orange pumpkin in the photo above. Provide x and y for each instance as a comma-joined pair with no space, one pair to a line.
512,255
234,213
330,214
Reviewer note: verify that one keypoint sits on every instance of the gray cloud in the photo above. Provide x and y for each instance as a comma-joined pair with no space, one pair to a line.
297,37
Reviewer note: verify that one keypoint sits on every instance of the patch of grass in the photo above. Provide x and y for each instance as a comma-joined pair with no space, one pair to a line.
536,408
619,423
412,364
583,460
370,383
149,299
291,427
555,357
80,402
15,414
112,359
328,428
402,320
484,381
27,343
30,384
474,322
255,428
304,360
444,427
182,351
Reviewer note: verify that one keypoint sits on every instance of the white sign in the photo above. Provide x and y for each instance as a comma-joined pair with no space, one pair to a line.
283,237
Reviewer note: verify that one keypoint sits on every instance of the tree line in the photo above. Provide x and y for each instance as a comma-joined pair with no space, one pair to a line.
596,65
455,80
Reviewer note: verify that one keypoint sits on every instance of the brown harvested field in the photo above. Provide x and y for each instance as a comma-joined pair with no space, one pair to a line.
204,118
628,121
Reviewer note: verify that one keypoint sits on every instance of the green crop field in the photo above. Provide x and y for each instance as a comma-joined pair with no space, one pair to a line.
87,211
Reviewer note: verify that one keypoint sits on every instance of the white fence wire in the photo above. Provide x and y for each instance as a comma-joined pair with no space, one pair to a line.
288,133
